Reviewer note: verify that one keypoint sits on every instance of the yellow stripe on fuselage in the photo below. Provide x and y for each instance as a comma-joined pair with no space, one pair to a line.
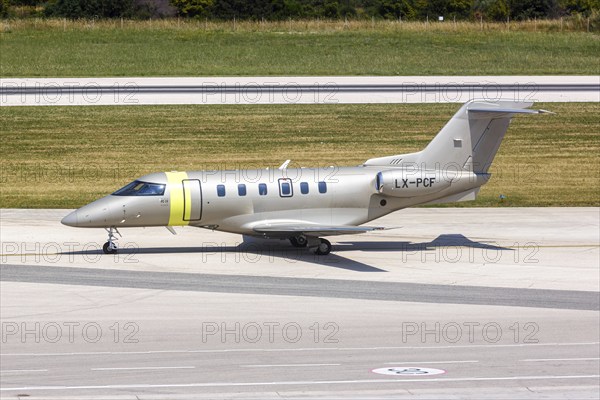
175,180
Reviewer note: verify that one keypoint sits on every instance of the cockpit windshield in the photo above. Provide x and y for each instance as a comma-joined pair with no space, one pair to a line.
139,188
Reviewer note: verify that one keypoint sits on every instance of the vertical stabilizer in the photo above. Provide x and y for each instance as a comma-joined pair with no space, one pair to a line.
468,142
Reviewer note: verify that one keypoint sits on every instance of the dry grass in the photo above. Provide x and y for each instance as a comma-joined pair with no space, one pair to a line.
303,26
68,156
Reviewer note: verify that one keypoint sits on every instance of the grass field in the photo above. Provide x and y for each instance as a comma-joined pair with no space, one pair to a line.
57,48
64,157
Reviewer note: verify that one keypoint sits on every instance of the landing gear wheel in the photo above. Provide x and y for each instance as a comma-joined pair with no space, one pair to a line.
323,248
298,241
109,248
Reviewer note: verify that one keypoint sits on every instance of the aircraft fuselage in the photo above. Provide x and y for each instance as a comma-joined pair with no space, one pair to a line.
235,200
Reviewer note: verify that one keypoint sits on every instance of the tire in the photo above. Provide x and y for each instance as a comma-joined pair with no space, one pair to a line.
298,241
324,248
107,250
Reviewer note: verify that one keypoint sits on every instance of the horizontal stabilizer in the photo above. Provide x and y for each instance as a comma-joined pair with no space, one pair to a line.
492,109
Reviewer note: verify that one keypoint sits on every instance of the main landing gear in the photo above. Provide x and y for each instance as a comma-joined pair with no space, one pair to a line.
110,247
299,241
323,248
319,246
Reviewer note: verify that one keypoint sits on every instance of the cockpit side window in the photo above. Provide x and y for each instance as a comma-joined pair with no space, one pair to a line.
139,188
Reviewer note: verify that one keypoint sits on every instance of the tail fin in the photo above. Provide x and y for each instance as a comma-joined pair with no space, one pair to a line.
468,142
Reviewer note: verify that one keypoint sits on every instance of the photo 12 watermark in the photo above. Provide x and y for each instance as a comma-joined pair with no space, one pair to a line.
65,173
269,332
65,252
469,332
14,332
68,92
455,249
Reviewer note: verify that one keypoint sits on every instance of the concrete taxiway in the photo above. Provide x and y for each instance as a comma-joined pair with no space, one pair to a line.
457,303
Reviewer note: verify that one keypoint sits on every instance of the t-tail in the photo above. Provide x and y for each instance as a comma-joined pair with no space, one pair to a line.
455,164
468,142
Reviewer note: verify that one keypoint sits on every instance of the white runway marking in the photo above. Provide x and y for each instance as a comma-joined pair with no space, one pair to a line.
290,383
17,371
408,371
120,353
560,359
290,365
138,368
431,362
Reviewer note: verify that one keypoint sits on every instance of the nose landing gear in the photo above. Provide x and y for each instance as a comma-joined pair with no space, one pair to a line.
110,247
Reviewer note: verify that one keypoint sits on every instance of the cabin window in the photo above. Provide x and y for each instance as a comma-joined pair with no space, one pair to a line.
242,189
221,190
304,187
139,188
262,189
322,187
285,187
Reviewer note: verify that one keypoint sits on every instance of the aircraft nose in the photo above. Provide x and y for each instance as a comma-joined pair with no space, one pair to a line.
70,219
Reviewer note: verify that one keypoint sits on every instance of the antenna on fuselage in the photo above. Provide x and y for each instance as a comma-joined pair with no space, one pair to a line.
285,164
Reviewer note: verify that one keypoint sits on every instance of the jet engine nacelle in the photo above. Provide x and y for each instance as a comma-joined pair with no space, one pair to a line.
405,183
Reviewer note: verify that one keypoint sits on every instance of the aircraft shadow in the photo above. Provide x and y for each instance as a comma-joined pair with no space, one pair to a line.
254,251
445,240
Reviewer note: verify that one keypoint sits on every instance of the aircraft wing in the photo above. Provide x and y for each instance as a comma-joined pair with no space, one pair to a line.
308,229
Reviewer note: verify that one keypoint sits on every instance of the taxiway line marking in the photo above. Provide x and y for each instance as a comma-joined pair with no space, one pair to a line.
289,365
7,371
490,346
560,359
432,362
138,368
290,383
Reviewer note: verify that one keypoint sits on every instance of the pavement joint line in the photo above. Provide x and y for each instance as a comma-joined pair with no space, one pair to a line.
491,346
139,368
560,359
432,362
296,383
6,371
288,365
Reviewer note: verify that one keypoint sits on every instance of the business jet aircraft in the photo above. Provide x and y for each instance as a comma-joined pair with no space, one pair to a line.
304,204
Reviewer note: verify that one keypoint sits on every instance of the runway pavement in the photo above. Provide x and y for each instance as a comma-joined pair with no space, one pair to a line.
504,305
327,288
295,90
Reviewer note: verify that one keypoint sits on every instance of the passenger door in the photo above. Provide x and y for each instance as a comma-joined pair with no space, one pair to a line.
192,200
